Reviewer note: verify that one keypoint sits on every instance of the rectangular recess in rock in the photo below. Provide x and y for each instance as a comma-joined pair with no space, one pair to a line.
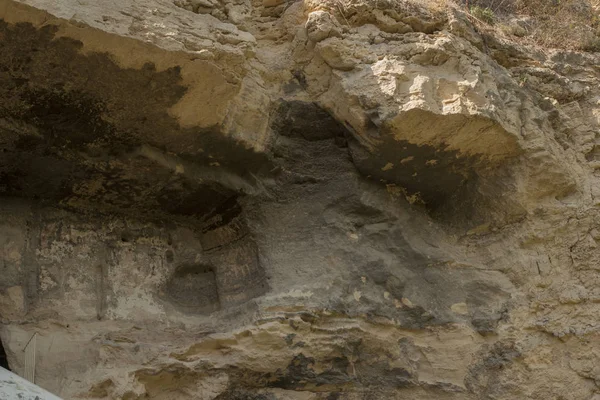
240,277
193,288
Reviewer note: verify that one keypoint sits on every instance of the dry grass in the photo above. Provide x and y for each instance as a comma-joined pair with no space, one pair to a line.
567,24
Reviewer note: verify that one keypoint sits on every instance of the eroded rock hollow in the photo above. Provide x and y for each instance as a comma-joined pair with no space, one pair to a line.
244,199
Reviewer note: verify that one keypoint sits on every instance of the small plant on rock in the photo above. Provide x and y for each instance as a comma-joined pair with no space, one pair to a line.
483,14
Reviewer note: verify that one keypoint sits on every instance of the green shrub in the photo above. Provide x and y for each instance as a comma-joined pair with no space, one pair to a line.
483,14
592,45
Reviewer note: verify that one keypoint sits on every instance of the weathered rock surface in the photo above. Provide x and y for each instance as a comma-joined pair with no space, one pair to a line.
242,199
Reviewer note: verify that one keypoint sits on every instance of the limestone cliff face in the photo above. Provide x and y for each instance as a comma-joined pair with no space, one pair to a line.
246,199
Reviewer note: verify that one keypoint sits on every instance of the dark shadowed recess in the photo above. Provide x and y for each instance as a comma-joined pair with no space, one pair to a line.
433,182
72,127
413,170
3,358
79,132
318,171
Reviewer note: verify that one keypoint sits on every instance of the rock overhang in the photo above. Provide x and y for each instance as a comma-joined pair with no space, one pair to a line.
428,153
80,127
